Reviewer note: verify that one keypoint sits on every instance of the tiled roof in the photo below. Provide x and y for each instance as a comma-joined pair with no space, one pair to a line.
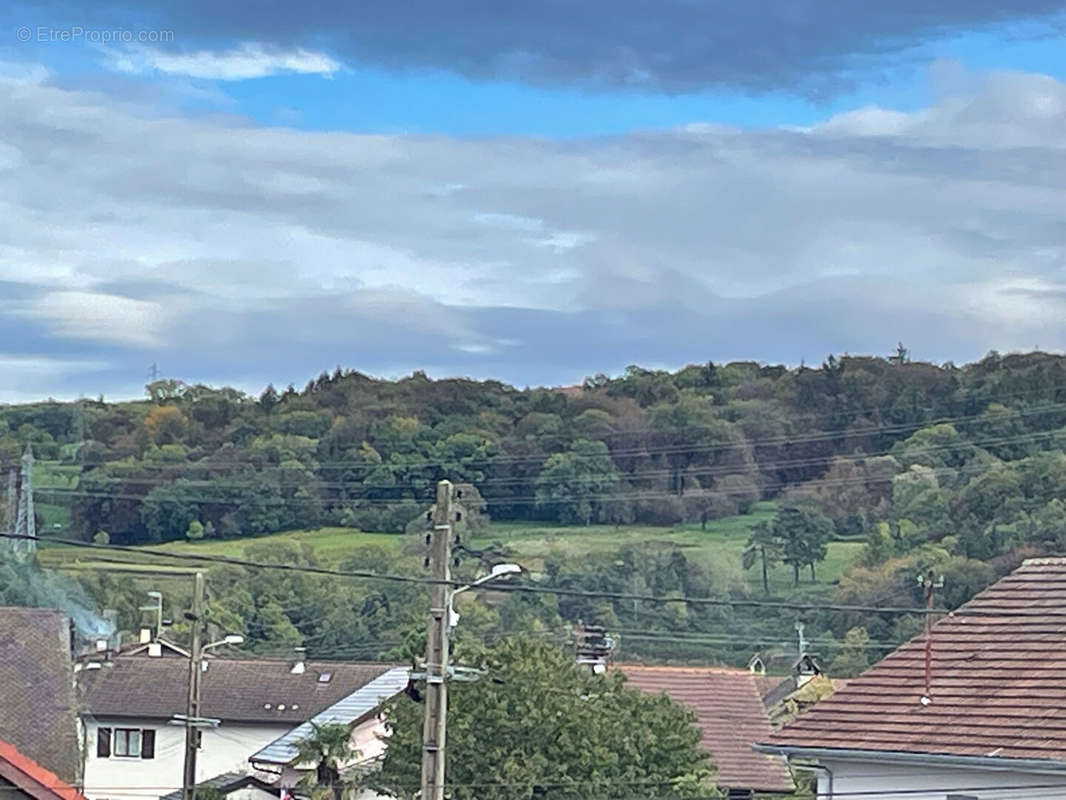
344,712
767,683
37,688
234,690
731,715
227,782
998,682
33,779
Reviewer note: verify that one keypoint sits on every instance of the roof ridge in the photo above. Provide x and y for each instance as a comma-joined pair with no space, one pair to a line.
685,668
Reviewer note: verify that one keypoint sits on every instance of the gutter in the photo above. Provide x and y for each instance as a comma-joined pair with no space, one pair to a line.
828,794
904,757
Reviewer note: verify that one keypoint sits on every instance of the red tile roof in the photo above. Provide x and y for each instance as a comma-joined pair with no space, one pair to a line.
730,712
998,681
33,779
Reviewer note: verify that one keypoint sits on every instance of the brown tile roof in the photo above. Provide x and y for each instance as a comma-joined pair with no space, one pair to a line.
245,690
730,713
998,681
37,688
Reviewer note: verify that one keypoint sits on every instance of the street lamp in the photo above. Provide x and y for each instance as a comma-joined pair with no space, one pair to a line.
497,572
229,638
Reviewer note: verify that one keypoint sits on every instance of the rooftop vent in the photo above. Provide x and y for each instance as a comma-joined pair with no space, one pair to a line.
155,649
146,635
325,677
299,666
101,645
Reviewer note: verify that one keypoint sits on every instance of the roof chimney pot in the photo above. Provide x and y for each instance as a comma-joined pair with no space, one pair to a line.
299,665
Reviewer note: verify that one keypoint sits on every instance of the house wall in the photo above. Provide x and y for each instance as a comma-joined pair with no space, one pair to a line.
367,739
223,749
854,779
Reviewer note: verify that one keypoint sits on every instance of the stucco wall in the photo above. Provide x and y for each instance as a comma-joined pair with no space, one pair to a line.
224,749
367,740
851,779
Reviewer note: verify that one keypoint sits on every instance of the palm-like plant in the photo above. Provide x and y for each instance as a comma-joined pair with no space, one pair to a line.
328,747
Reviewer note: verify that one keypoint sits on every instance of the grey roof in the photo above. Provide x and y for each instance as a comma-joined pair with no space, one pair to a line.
233,689
226,783
37,688
345,712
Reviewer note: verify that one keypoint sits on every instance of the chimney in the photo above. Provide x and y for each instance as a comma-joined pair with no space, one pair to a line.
299,664
593,647
155,649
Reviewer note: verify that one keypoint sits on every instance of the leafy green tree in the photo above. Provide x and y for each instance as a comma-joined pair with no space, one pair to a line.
195,530
803,537
168,509
576,486
854,656
539,726
764,546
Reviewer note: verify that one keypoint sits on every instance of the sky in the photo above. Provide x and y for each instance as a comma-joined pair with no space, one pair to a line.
243,193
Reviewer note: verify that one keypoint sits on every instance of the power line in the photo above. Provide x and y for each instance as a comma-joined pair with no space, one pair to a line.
526,499
780,439
500,587
647,474
558,591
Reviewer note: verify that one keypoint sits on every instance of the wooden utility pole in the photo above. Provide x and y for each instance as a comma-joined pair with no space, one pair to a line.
192,706
434,726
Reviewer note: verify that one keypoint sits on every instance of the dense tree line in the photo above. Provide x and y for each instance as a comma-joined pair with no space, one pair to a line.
648,446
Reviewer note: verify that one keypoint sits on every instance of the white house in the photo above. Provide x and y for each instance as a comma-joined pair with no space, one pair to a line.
359,711
991,723
134,750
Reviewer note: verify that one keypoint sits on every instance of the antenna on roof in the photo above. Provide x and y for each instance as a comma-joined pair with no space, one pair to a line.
930,583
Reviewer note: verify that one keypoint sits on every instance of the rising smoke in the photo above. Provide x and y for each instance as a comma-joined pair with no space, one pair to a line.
24,583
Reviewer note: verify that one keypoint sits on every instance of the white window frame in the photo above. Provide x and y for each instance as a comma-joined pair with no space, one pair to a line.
125,736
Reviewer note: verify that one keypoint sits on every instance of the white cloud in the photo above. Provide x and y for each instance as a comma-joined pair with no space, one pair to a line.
101,317
248,61
285,251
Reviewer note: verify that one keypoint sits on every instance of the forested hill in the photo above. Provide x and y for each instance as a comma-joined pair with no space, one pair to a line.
971,452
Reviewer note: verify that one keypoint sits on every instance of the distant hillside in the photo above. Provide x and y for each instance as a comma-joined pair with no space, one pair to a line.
910,467
650,447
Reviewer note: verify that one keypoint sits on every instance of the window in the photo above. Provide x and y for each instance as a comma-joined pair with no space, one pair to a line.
125,742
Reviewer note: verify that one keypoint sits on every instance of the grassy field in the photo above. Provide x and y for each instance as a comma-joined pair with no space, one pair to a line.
54,475
719,548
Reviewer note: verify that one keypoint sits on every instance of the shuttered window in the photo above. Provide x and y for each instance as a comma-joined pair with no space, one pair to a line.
103,742
125,742
148,743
